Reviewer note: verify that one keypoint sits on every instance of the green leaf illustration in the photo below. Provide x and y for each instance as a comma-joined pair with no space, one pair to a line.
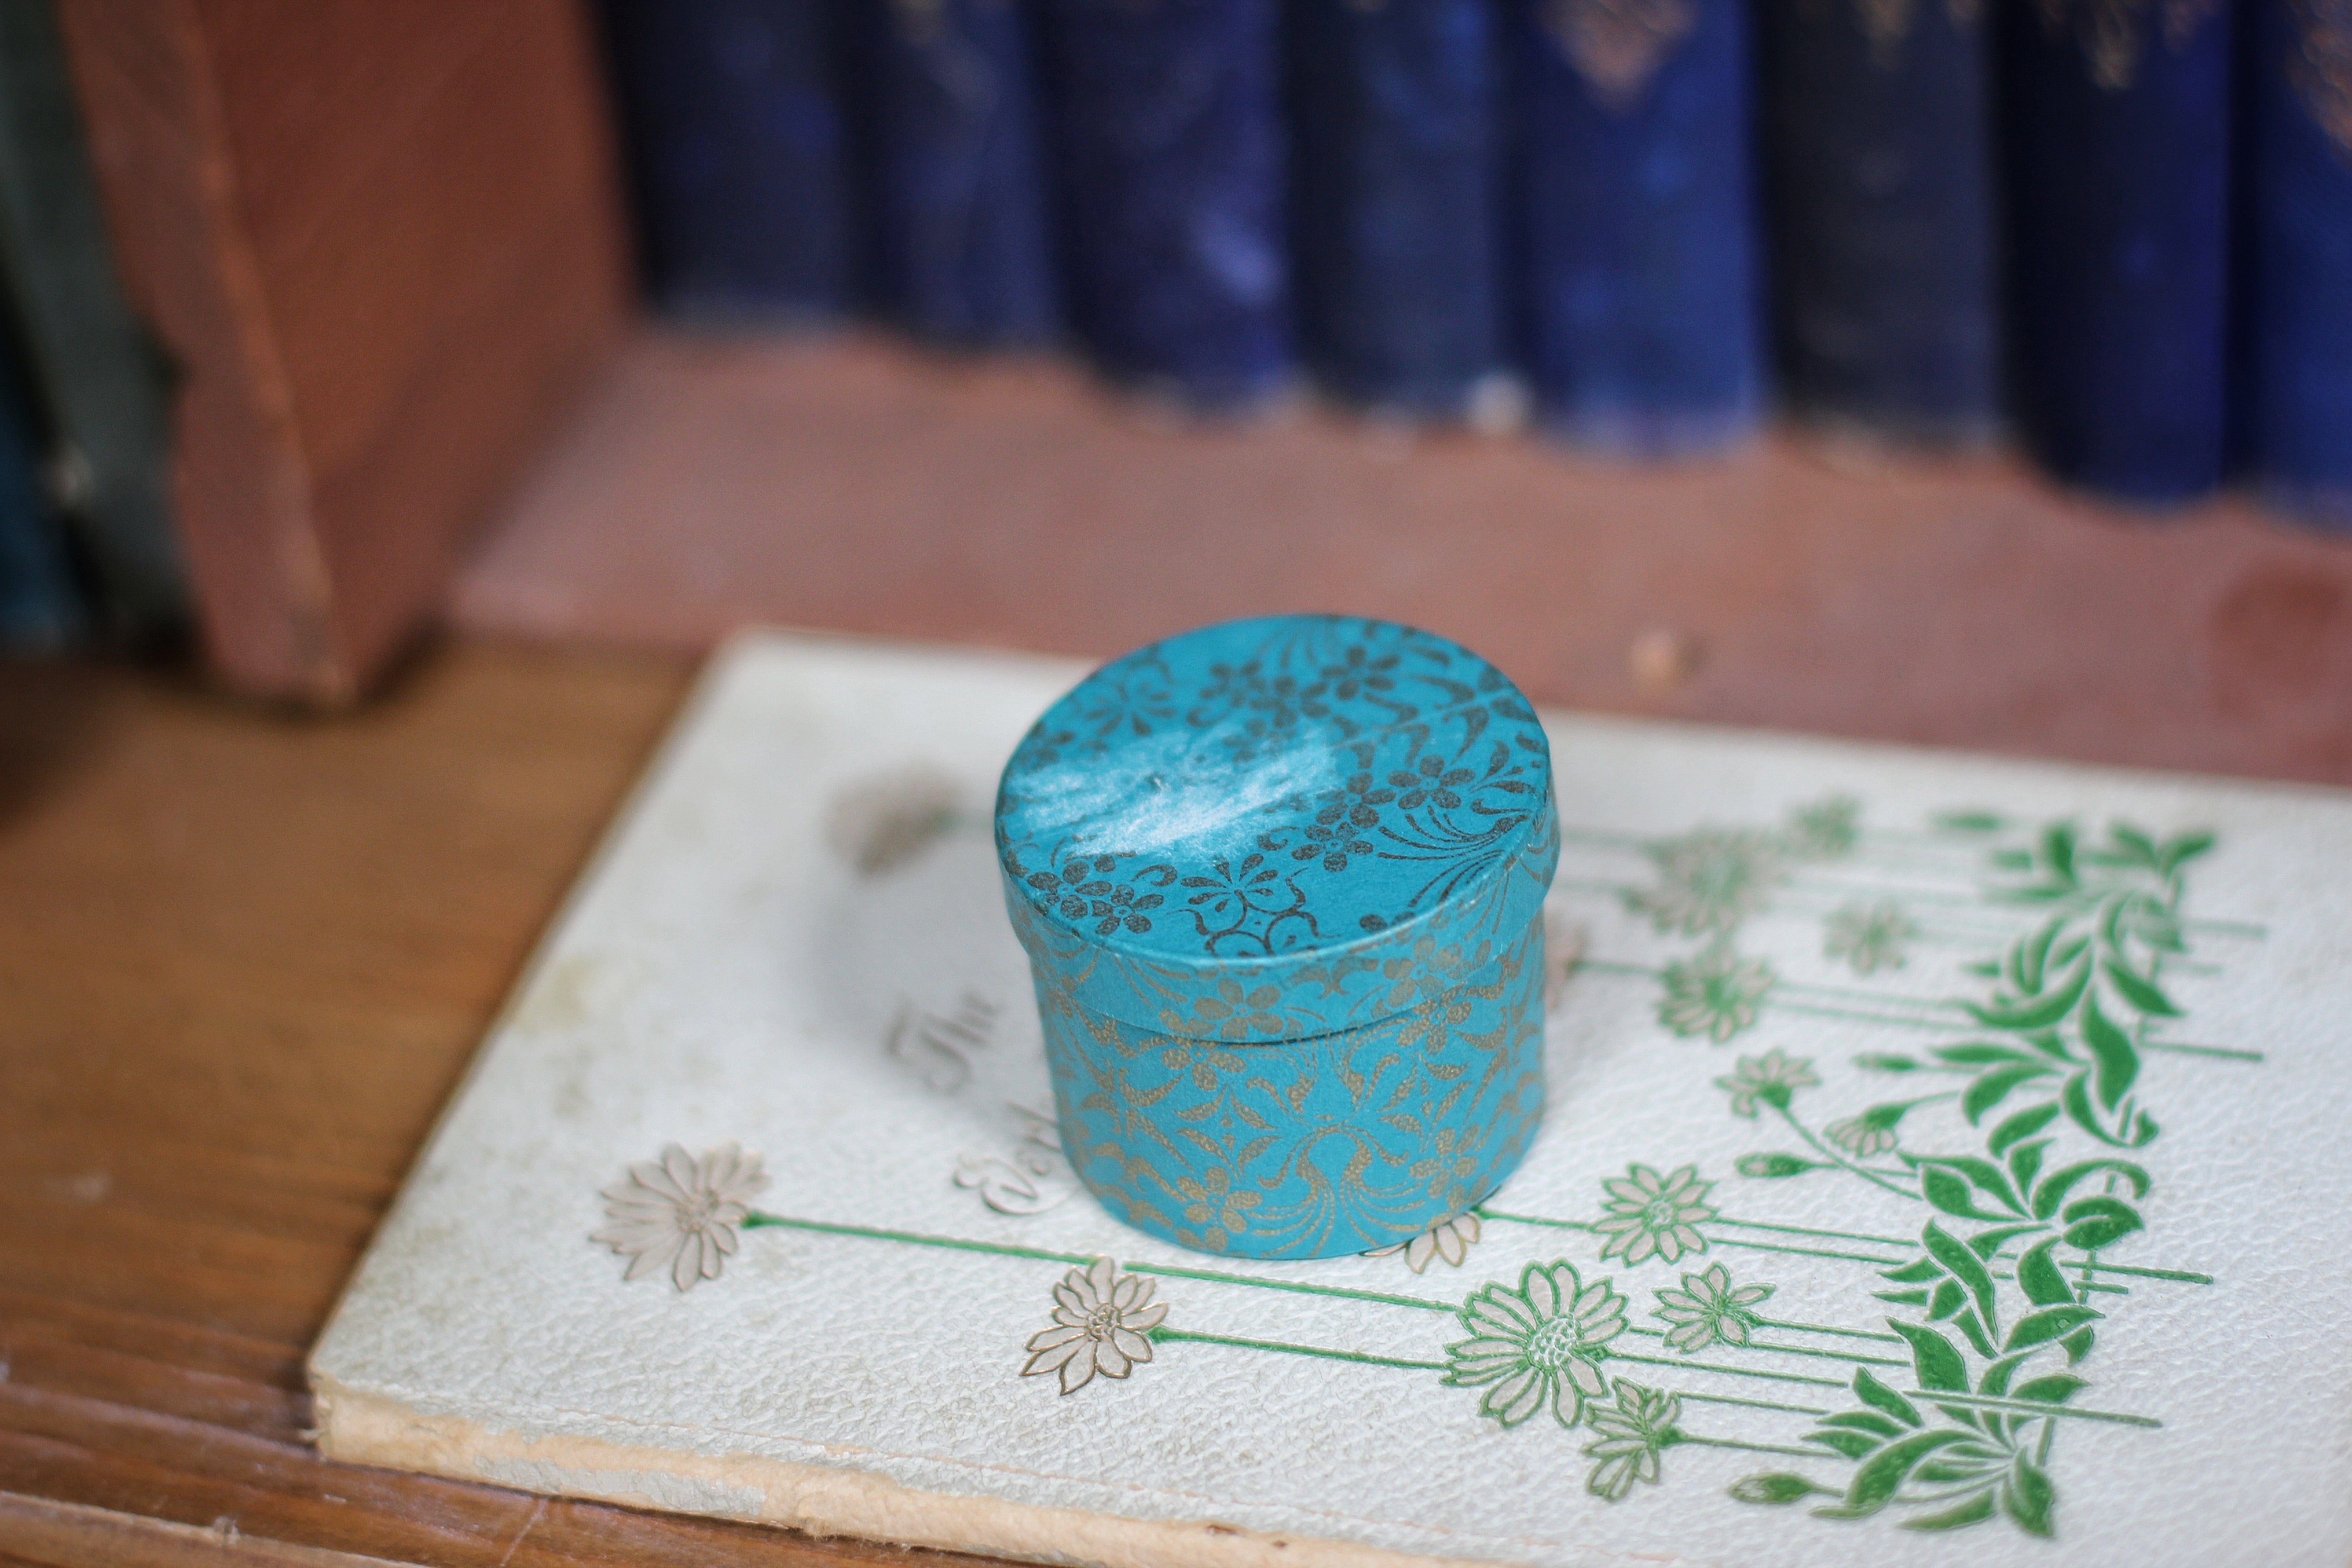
1949,1296
1979,1336
1875,1483
1969,821
2094,1223
1991,1089
1902,1298
2038,1276
1915,1273
1994,1380
1869,1421
2117,1057
2141,848
1881,1063
2021,1126
2141,992
2029,959
1980,1053
1939,1364
2025,1162
2027,1496
1852,1445
1982,1173
1963,1265
1985,1243
1950,1193
2181,850
2050,1324
2037,1012
2058,1184
2058,852
2055,1389
1776,1486
1870,1391
1775,1164
1976,1510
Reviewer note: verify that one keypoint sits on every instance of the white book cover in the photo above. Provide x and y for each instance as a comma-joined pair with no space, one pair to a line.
1946,1164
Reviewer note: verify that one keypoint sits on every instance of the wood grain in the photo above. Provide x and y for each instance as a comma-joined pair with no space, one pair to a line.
244,957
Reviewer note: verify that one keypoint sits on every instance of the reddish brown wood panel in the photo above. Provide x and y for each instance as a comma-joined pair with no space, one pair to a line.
384,242
244,959
858,485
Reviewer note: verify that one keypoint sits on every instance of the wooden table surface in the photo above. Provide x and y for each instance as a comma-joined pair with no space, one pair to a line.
244,958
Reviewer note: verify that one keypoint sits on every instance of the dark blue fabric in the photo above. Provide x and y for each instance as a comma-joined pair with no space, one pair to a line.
738,146
1879,153
965,237
40,608
2118,194
2295,289
1636,237
1169,142
1396,126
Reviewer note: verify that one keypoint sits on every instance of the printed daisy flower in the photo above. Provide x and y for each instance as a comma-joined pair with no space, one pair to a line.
1631,1438
681,1214
1716,995
1768,1080
1649,1213
1709,880
1539,1346
1448,1239
1102,1323
1706,1311
1870,937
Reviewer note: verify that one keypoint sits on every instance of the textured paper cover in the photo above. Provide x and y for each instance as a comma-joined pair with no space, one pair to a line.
1826,1025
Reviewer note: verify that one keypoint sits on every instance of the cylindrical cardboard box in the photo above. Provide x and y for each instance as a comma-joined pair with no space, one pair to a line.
1281,883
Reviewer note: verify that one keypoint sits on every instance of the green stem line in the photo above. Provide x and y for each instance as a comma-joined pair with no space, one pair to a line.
1753,1447
2221,1053
1887,1020
1171,1271
2026,1408
1811,1252
1485,1212
1837,1158
1882,998
1828,1355
1607,966
2182,1274
756,1220
2246,929
1720,1371
1750,1404
1164,1334
2086,1285
1787,1349
1826,1328
1809,1230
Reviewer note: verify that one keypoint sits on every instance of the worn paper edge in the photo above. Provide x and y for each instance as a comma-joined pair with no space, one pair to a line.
357,1428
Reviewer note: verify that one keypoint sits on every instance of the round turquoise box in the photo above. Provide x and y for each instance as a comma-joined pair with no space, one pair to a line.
1281,883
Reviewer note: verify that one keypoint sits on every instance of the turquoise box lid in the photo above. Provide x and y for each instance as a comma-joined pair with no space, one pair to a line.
1286,830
